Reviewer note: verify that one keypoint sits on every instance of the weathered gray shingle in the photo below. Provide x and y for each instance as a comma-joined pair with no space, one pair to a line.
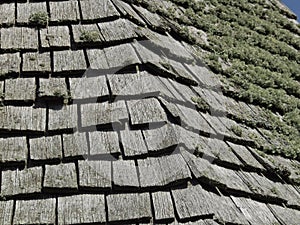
45,148
20,89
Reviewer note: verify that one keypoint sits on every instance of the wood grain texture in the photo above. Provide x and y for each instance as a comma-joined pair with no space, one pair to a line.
55,37
104,142
125,174
23,118
45,148
127,11
122,207
35,211
27,181
163,206
62,176
16,38
20,89
69,61
95,174
81,209
53,87
25,10
64,117
36,62
145,111
10,63
103,113
64,11
6,211
81,33
97,59
7,14
75,144
97,9
13,149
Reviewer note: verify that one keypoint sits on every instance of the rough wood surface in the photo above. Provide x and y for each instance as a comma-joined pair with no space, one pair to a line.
20,89
125,174
122,207
285,215
81,209
120,56
162,171
133,142
75,144
95,174
246,156
13,149
36,62
7,14
104,142
163,206
23,118
64,117
145,111
25,10
53,87
10,63
117,30
40,211
68,61
255,212
128,11
80,30
97,9
103,113
27,181
60,176
64,11
92,87
6,211
55,37
97,59
161,138
45,148
15,38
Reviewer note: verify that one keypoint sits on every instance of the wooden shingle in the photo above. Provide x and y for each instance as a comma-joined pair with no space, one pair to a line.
53,87
23,118
10,63
92,87
123,207
7,14
95,174
45,148
75,144
60,176
36,62
103,113
117,30
27,181
163,206
64,117
104,142
40,211
125,174
145,111
285,215
13,149
15,38
161,138
20,89
6,211
97,59
133,142
155,172
121,56
64,11
97,9
83,32
25,10
55,37
69,61
81,209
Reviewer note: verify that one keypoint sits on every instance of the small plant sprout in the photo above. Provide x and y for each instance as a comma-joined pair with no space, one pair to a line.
39,19
90,36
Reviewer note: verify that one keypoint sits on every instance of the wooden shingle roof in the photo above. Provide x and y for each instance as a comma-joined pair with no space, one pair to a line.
109,116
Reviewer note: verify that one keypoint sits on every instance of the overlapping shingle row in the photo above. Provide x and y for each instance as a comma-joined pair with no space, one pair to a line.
107,131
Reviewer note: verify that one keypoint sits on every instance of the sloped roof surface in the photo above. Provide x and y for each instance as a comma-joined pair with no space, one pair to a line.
108,117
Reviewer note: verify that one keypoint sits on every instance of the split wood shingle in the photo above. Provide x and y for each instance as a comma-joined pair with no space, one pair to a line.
28,9
13,149
125,174
85,32
104,142
35,62
6,211
53,87
63,117
64,11
20,89
75,145
10,63
163,206
69,61
55,37
7,14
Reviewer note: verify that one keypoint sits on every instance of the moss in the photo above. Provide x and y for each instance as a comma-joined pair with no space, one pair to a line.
39,19
200,103
237,130
89,36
